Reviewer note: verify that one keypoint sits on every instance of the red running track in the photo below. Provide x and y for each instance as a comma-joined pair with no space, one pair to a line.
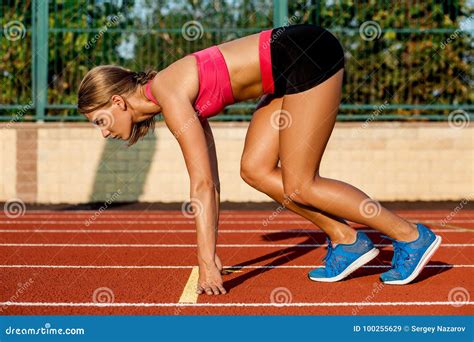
132,262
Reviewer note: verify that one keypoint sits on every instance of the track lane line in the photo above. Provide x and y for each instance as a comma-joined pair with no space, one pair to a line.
152,222
263,304
191,267
224,213
194,245
230,231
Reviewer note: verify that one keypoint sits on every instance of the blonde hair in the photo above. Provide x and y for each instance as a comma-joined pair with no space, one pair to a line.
101,82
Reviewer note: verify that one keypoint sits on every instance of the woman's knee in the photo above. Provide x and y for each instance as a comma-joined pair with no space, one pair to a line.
250,174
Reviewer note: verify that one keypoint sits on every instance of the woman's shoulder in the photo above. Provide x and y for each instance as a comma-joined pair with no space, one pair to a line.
179,79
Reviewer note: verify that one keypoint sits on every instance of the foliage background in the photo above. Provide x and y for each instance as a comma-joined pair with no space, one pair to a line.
407,65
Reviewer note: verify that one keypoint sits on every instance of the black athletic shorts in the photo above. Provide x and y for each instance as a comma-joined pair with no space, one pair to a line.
302,56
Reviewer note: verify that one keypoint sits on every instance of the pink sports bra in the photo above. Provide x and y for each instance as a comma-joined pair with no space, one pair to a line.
215,91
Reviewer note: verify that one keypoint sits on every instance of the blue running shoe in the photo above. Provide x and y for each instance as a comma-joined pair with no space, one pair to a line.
343,259
409,258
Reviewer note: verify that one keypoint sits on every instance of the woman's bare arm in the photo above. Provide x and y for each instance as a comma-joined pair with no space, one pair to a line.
175,87
215,176
183,122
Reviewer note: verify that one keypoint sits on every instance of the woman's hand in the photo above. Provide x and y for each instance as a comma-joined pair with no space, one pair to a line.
210,280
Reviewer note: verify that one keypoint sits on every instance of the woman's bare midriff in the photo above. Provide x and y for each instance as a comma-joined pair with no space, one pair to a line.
242,59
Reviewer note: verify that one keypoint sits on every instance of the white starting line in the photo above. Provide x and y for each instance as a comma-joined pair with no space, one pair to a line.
231,305
189,294
158,245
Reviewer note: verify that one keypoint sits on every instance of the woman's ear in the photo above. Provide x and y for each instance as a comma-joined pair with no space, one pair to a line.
119,101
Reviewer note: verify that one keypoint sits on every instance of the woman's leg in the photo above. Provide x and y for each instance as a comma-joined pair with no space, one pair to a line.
259,168
310,119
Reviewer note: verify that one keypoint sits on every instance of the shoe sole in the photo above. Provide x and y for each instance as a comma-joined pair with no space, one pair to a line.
356,264
424,260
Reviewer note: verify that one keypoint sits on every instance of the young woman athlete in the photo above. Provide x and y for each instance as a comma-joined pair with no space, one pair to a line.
296,72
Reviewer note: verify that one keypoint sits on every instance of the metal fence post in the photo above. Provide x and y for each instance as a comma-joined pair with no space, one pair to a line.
40,53
280,12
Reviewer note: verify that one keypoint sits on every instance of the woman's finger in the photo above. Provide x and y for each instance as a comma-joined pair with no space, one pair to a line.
208,290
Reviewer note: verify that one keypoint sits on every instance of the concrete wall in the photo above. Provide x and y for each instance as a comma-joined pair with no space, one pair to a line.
72,163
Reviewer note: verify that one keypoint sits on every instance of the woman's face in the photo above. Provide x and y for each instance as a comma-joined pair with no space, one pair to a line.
114,121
